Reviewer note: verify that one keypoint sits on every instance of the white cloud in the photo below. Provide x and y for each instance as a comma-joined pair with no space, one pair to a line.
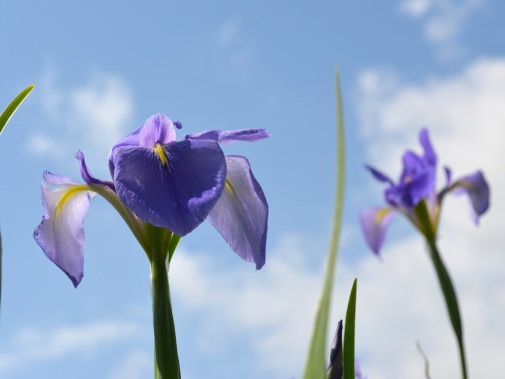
443,20
34,344
91,117
270,310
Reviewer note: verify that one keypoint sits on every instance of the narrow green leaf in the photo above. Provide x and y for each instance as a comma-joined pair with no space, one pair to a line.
315,364
14,104
349,332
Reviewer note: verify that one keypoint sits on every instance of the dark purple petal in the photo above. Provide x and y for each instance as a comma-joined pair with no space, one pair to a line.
229,136
86,175
476,187
61,233
379,175
241,213
430,157
374,222
336,365
174,186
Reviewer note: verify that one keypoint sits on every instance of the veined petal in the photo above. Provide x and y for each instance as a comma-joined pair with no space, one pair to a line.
173,186
374,222
157,129
476,187
241,213
229,136
86,175
61,233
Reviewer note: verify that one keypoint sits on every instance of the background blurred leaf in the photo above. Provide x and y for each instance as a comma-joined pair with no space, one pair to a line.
315,365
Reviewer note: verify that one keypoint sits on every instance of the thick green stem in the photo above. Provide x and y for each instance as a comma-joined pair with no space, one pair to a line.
166,360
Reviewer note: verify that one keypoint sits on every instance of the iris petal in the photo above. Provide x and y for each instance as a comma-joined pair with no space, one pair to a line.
229,136
177,194
241,213
429,156
61,233
379,175
374,222
476,187
157,129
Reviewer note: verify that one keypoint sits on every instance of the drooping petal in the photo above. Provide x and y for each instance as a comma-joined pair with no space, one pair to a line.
61,233
229,136
241,213
374,222
173,186
86,175
476,187
157,129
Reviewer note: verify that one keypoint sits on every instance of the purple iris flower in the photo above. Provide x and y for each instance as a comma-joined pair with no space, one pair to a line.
416,184
159,181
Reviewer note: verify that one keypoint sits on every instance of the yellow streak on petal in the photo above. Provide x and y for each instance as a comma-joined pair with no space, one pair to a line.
71,192
229,187
161,154
381,214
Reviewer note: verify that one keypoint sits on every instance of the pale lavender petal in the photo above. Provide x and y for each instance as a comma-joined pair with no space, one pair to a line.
241,213
61,233
374,222
229,136
157,129
176,191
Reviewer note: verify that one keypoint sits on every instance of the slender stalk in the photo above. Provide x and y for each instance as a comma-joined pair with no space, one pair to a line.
166,360
451,302
444,279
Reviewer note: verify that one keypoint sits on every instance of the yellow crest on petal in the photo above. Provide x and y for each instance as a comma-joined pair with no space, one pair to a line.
161,154
71,192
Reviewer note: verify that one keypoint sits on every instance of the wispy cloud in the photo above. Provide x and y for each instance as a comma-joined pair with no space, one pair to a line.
234,56
444,20
137,365
32,345
91,117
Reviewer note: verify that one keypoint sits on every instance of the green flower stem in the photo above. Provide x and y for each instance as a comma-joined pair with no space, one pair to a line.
444,280
166,360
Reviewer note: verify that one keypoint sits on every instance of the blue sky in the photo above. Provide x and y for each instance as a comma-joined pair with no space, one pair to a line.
102,68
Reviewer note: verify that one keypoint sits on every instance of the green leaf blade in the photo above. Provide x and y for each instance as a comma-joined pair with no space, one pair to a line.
14,104
315,365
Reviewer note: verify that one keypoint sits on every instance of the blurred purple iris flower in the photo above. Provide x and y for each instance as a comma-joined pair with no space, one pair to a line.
170,184
416,184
